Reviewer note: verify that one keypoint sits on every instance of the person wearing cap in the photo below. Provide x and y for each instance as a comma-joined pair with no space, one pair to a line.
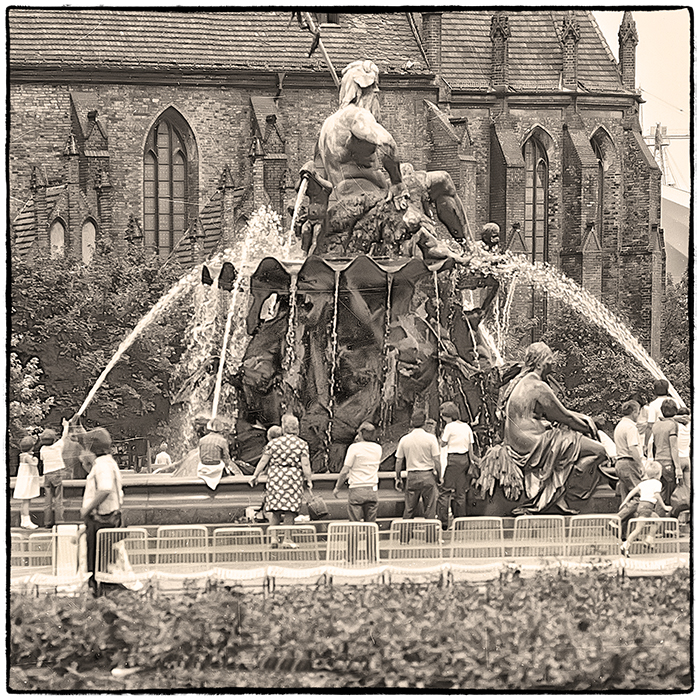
27,484
55,471
214,455
361,468
103,496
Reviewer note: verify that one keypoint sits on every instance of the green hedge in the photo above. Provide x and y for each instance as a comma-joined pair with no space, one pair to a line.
553,632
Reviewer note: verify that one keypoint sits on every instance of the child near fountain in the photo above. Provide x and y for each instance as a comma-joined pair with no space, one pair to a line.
649,491
27,484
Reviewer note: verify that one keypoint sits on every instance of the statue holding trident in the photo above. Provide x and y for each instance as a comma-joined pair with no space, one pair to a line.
377,204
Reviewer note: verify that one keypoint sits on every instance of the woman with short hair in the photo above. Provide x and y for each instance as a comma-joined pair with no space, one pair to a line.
361,468
287,460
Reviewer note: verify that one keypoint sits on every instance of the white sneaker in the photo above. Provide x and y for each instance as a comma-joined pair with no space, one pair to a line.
29,525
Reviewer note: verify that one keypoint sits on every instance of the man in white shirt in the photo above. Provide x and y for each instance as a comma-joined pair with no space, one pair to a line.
103,496
162,459
629,465
55,471
661,393
420,452
361,468
458,440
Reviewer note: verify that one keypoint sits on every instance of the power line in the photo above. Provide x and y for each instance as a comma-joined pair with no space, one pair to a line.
662,100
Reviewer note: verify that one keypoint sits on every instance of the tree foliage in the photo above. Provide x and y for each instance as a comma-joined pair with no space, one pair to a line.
28,401
72,317
597,373
675,337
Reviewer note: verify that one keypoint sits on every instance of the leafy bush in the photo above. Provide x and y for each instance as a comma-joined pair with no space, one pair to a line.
596,372
568,631
72,317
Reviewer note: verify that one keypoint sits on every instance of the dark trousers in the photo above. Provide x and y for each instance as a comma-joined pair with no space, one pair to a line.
668,480
453,489
362,504
93,524
629,474
53,496
420,486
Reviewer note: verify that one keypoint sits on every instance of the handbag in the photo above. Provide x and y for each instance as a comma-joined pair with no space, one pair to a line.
680,497
317,506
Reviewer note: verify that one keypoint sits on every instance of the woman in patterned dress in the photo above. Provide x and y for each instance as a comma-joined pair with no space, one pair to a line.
287,461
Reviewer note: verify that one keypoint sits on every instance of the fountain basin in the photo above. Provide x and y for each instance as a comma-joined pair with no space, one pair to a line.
152,499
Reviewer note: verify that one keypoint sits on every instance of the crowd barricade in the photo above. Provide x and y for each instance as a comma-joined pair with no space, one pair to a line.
658,537
48,561
539,536
354,545
477,538
594,535
474,549
415,539
237,545
182,546
303,536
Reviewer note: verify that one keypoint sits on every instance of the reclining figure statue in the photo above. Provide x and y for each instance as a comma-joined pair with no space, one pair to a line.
549,452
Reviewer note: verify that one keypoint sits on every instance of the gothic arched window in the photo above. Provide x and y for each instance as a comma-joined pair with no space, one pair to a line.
87,241
57,238
600,186
169,182
536,194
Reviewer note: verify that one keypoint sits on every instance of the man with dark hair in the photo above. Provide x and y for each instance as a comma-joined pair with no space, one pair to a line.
420,452
661,392
664,448
629,454
103,496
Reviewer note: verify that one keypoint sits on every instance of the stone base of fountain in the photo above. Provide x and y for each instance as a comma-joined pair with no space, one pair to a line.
167,500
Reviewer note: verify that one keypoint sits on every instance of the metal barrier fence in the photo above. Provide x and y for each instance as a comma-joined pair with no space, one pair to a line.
477,538
354,545
539,536
591,535
656,536
127,553
415,539
54,553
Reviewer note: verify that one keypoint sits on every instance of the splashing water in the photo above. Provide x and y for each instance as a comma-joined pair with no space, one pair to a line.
550,280
290,350
224,346
185,284
334,353
440,373
297,206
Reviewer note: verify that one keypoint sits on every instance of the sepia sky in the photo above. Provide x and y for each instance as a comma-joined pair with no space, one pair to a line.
663,75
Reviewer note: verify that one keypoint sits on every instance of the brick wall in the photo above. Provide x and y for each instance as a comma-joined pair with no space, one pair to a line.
220,118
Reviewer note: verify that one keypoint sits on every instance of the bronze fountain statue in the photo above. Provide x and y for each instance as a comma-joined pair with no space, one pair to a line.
371,325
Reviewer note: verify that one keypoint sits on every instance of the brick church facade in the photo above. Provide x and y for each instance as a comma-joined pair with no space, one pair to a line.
167,129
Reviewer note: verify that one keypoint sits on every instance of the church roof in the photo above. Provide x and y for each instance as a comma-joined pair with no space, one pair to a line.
162,40
55,38
534,51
